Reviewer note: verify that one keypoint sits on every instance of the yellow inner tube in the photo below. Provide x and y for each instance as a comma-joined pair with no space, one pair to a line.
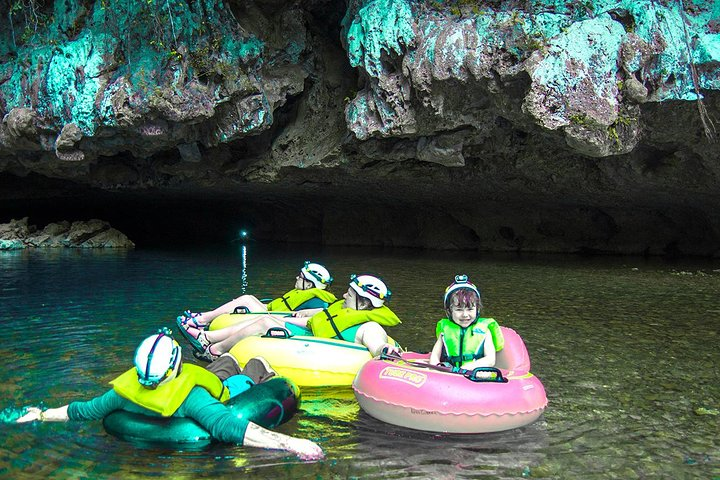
230,319
307,361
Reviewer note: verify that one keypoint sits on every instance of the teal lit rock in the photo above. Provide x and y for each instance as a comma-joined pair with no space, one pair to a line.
564,126
377,28
578,57
149,76
147,73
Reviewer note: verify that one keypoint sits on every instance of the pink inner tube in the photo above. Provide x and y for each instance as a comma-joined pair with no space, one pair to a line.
418,397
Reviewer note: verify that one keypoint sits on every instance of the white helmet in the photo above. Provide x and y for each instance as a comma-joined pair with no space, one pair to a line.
371,288
157,359
317,275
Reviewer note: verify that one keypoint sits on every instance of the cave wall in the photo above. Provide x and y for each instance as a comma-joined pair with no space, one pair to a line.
522,126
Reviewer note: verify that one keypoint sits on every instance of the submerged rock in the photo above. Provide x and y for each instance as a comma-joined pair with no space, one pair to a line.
17,235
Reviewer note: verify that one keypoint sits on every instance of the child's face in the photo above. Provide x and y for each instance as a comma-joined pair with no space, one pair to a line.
463,315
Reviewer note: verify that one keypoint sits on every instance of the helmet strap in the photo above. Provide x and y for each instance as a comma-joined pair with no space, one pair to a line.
305,281
151,353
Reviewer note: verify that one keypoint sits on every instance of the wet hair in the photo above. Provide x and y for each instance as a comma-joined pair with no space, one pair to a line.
364,303
305,281
464,298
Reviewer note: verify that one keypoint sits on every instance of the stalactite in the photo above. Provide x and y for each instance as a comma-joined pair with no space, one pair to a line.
708,125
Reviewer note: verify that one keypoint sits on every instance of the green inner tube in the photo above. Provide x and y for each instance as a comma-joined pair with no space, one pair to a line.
267,404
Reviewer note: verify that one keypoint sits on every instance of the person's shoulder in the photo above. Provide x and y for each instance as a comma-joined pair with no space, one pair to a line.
198,393
197,402
370,325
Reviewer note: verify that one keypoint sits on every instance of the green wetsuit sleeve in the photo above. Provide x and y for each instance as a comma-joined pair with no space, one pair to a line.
97,408
213,416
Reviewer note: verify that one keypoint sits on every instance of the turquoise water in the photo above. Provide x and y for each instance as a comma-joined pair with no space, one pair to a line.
627,349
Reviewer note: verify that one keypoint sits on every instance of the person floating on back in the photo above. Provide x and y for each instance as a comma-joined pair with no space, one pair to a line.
310,291
359,318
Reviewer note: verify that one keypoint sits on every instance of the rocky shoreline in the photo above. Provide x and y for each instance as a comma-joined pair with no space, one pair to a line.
94,233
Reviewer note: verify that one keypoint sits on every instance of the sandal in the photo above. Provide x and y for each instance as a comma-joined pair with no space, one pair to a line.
198,344
190,318
206,355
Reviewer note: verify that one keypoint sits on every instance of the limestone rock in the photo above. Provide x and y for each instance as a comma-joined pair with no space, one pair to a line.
190,152
636,91
19,130
445,150
69,136
20,122
525,110
16,229
17,234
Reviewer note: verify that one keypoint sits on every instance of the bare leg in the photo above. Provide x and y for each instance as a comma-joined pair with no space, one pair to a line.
251,303
256,325
259,326
223,333
215,343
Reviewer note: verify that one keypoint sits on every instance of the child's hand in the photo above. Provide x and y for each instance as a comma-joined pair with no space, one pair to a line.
33,414
390,349
306,449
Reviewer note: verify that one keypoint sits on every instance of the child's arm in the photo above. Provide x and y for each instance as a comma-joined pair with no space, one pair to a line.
308,312
50,415
436,352
486,361
301,317
375,339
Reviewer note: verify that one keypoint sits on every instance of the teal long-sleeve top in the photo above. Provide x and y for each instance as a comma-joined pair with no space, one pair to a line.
202,407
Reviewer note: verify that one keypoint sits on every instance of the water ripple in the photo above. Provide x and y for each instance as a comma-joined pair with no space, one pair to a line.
626,349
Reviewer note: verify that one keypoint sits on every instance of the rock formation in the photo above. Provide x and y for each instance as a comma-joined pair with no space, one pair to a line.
18,235
504,125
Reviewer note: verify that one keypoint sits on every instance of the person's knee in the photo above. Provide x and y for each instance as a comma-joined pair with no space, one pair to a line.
268,322
265,323
247,298
257,326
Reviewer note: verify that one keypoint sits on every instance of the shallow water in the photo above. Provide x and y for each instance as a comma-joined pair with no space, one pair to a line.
627,349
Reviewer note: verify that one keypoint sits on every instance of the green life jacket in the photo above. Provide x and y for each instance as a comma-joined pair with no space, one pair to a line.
333,320
168,397
467,344
294,298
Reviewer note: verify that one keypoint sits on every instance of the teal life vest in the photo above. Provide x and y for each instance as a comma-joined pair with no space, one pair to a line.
296,298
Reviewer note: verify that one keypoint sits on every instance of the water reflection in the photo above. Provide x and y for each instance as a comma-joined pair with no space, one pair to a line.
398,452
243,270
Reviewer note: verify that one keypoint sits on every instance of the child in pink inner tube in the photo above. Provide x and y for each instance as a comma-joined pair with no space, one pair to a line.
464,339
